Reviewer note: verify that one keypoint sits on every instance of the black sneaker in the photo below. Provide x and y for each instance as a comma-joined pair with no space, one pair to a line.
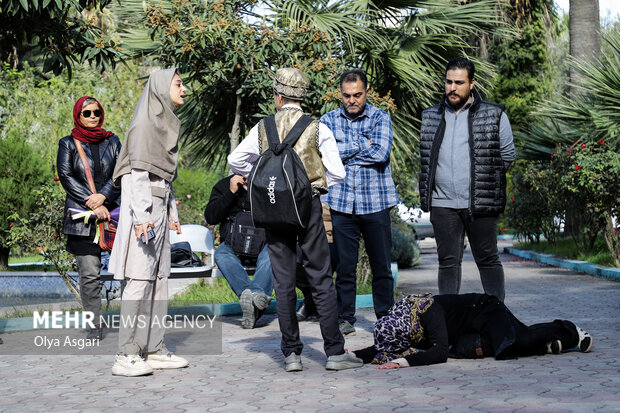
303,314
585,340
554,347
95,333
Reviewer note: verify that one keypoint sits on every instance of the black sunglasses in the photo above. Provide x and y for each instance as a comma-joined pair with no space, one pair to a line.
96,112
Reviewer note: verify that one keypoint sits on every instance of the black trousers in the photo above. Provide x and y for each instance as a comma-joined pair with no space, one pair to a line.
505,336
500,334
376,229
450,226
532,340
302,280
315,257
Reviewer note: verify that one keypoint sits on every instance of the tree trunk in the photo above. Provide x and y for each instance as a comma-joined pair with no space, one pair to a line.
585,43
4,258
14,57
236,130
612,238
585,32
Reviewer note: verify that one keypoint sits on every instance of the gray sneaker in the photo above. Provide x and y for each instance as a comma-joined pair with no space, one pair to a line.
246,300
343,361
346,328
261,300
293,363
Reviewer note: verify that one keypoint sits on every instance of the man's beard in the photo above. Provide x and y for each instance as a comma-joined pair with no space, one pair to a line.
354,114
458,104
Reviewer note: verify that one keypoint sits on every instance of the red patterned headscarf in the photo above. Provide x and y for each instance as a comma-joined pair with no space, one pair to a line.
81,132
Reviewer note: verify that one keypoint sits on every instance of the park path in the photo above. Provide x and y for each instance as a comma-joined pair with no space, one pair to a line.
248,375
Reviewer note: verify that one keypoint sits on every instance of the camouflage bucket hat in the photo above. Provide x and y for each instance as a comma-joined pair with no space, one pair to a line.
291,83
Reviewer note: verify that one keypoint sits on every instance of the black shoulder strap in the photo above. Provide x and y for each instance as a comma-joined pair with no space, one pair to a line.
272,131
298,129
293,135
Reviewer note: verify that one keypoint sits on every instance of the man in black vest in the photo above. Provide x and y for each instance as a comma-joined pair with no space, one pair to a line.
466,147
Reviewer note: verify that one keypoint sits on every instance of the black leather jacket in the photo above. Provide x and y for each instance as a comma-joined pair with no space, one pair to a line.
74,181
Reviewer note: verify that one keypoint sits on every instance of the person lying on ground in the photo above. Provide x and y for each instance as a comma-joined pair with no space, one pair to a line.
423,329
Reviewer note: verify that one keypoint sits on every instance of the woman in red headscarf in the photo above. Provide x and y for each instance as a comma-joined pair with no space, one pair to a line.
88,189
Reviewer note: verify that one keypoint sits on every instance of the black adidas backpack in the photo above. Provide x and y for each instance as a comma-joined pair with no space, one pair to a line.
278,186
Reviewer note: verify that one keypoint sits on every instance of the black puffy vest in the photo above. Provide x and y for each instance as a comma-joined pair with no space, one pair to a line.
488,179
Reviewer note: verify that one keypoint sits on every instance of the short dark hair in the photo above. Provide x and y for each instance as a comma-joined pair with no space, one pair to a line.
352,76
285,99
462,63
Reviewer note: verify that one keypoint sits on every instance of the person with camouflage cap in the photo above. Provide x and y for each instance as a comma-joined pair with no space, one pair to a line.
319,154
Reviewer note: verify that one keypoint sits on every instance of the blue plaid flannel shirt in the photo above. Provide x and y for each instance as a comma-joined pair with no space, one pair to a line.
368,186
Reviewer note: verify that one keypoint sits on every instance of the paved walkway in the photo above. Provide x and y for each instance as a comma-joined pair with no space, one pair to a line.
248,376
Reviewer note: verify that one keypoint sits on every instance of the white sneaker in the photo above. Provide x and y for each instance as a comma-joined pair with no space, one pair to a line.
166,361
585,340
130,366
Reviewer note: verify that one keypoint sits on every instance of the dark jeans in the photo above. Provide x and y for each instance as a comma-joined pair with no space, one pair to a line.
450,226
376,229
315,259
232,269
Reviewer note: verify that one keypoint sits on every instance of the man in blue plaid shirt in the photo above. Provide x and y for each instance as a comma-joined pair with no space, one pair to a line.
360,205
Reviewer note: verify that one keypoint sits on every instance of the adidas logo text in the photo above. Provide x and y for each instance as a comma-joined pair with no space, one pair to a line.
271,189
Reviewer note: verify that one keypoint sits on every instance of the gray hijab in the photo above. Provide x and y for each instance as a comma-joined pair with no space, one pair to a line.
151,142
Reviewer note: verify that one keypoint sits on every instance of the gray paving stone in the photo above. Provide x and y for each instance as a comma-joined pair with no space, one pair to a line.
249,375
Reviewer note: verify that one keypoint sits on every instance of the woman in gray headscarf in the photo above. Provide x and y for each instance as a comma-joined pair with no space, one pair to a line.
145,170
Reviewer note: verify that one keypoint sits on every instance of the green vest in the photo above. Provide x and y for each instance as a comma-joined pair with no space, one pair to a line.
307,147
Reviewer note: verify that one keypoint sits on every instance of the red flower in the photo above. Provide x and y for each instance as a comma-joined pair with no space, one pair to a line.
577,167
601,142
575,140
56,179
583,145
11,225
552,153
55,236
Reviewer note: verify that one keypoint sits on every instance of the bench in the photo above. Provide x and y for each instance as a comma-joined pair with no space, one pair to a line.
201,240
